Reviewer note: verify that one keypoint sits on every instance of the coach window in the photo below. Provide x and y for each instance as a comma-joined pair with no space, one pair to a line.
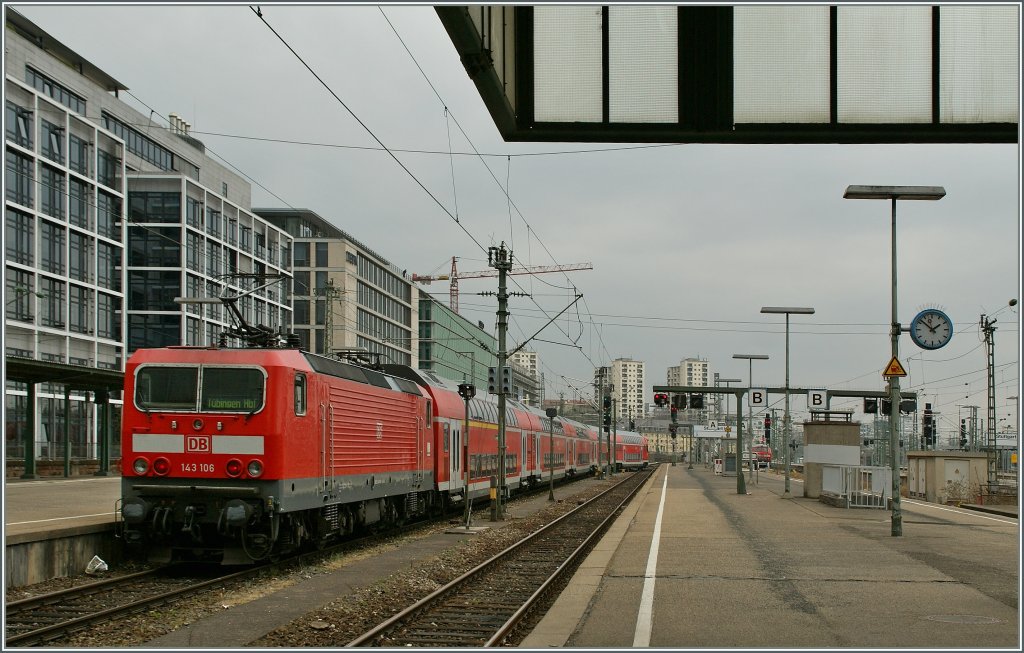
300,394
446,433
430,415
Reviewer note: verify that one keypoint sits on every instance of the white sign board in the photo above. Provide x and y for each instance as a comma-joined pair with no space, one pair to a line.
817,400
758,397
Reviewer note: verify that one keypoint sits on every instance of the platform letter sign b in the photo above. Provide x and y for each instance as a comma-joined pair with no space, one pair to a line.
816,400
758,398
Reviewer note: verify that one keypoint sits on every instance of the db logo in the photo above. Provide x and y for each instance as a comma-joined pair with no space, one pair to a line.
197,444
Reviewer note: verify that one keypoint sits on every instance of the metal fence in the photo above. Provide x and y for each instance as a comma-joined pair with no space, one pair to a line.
858,486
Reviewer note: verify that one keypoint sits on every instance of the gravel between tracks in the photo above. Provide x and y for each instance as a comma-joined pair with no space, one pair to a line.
335,623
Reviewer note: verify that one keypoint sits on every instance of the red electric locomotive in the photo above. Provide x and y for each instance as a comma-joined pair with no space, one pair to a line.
235,454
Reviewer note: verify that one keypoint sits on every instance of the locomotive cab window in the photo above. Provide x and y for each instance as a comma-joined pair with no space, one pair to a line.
300,394
162,387
232,389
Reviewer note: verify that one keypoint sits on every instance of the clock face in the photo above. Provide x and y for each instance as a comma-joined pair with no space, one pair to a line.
931,329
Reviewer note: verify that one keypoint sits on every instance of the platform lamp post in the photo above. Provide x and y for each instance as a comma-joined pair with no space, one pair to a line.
893,193
467,391
552,413
788,310
750,358
739,456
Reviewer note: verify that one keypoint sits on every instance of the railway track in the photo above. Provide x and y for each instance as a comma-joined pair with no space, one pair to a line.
482,607
46,618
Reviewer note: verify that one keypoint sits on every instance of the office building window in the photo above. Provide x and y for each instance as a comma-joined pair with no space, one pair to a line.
55,90
19,179
79,204
108,310
300,255
153,290
153,331
300,283
18,236
51,312
21,292
139,144
107,274
78,258
51,247
108,216
52,193
301,311
19,125
78,155
321,255
194,213
154,247
79,309
51,141
108,169
154,207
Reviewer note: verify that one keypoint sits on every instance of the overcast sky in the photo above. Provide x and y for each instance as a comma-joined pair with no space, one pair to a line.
688,242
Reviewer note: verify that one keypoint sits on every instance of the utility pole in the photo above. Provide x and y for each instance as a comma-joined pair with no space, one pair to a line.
990,447
501,259
329,293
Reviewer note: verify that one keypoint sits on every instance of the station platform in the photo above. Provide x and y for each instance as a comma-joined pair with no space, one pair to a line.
693,564
54,526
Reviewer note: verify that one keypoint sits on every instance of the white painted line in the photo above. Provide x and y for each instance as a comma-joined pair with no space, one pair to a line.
972,513
642,636
41,521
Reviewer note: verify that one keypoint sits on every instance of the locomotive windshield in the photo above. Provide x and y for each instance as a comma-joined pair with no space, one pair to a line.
213,389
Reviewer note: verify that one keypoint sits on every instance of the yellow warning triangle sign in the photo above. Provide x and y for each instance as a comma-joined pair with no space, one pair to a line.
894,368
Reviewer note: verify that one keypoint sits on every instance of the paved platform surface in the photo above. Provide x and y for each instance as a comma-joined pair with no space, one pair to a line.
37,508
759,571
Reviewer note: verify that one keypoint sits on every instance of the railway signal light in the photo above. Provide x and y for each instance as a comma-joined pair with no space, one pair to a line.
506,380
963,434
696,401
679,401
672,431
768,428
492,380
675,412
660,399
607,412
928,424
632,425
887,407
467,390
870,406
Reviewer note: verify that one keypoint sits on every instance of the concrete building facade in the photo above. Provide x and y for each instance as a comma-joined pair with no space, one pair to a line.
452,346
627,378
108,218
345,296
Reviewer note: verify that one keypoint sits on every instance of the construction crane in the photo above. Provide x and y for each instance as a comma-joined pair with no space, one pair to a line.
456,275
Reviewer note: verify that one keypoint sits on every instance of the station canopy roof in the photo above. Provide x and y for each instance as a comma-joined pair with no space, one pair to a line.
801,73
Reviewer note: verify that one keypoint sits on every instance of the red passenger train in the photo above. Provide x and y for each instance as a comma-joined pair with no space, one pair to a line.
240,454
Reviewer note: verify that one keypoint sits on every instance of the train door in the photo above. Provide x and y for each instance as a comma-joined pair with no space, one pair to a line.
455,455
537,457
322,486
524,440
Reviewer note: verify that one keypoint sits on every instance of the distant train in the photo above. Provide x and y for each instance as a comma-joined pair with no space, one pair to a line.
236,455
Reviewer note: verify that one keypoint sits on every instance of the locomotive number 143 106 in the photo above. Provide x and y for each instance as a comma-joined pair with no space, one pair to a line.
205,468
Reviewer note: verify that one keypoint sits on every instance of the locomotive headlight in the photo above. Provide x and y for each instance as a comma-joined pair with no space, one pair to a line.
161,466
197,424
255,468
234,467
140,466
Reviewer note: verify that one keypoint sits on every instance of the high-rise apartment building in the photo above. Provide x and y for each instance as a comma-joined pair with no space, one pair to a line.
627,379
345,295
690,371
